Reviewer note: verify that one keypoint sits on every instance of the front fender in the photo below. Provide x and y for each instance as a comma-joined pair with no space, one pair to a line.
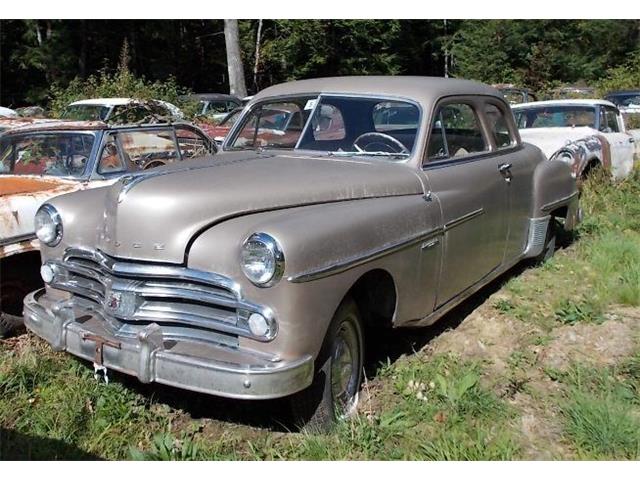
313,238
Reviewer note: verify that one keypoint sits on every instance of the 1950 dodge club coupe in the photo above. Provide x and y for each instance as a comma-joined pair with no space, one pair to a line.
258,272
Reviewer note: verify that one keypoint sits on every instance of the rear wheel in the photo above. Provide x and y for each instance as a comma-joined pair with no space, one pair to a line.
334,391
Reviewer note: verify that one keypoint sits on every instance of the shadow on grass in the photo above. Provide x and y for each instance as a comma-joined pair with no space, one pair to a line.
18,446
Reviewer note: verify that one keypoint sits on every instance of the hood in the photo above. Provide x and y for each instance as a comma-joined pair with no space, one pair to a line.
156,216
552,139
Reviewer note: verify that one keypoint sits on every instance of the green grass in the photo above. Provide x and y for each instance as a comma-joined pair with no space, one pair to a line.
601,411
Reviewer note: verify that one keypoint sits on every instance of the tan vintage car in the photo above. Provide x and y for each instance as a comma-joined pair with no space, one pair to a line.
257,273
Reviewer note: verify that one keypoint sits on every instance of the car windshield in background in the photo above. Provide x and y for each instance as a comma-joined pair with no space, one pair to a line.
86,112
558,116
625,100
62,154
337,125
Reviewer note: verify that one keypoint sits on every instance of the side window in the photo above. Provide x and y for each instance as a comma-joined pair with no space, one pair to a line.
110,158
498,126
275,125
328,123
216,107
459,132
148,149
192,144
609,120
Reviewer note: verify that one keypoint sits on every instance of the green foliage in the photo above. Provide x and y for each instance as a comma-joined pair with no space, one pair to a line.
121,83
624,76
571,312
600,411
541,53
167,448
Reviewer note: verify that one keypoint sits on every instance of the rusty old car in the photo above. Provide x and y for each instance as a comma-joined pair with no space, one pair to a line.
40,159
584,133
260,272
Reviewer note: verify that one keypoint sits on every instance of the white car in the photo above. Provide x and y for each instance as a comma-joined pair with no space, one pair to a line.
7,112
584,133
109,109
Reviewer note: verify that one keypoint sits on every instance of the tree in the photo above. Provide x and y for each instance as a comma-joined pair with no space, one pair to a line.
237,85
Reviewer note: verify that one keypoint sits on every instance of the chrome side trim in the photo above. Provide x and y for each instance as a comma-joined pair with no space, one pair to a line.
558,203
464,218
357,260
537,236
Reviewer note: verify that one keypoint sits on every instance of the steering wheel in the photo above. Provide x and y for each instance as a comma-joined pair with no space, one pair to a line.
387,141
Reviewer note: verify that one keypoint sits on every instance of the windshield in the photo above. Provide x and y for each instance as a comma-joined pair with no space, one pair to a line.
513,96
336,125
86,112
61,154
556,116
625,100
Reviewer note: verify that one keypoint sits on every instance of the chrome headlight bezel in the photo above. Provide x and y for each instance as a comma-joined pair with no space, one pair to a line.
263,244
48,216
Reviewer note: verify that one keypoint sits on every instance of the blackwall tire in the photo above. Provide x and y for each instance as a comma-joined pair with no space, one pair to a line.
335,389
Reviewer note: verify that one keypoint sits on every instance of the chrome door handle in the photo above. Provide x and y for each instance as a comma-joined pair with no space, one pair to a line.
504,167
632,140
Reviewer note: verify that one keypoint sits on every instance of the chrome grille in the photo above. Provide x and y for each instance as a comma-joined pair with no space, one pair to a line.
184,302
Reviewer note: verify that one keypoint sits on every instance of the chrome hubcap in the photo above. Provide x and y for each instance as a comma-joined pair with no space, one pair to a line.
344,369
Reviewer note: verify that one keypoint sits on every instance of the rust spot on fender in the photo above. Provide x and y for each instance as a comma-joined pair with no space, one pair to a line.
16,186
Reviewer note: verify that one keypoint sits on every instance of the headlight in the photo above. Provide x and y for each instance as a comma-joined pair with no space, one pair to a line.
262,259
48,225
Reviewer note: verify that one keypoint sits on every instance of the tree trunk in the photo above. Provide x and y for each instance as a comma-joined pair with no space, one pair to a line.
237,85
256,65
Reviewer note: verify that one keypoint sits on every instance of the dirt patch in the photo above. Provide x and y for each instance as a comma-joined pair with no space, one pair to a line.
540,429
485,335
603,344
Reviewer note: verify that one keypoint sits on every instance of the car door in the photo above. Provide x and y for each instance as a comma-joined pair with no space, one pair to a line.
622,143
464,174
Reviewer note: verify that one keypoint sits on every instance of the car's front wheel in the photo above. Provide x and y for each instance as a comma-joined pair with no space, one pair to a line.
334,391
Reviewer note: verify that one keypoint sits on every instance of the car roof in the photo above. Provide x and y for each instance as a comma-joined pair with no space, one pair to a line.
623,92
424,90
60,125
104,101
585,102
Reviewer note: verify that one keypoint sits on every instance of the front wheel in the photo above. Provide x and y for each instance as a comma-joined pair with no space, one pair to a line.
334,391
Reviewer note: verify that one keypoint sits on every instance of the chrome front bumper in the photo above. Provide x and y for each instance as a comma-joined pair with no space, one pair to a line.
201,367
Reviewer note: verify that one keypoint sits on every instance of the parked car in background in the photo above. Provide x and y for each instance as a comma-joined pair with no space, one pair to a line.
32,111
214,106
627,101
514,94
41,160
381,201
7,112
121,110
585,134
219,131
572,92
